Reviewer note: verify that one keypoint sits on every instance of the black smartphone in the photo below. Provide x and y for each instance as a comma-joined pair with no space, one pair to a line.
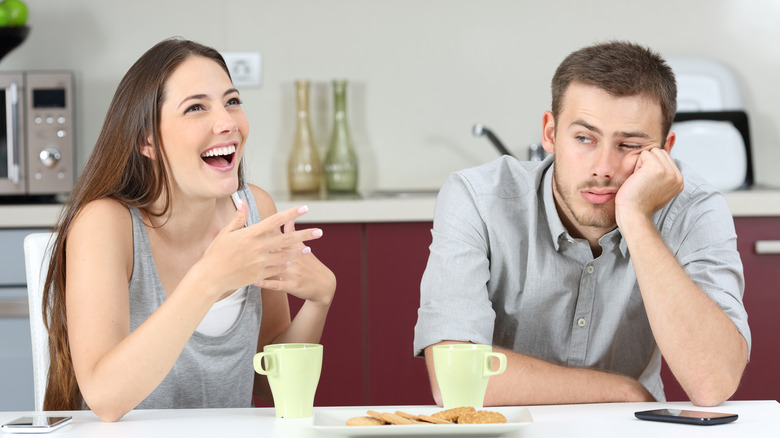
701,418
36,424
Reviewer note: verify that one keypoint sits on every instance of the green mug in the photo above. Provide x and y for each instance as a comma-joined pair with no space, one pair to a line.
462,372
293,372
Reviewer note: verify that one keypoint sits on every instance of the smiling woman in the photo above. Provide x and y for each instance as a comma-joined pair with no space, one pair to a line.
201,115
164,298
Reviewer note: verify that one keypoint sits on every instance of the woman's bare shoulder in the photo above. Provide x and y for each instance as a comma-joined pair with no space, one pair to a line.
103,219
103,209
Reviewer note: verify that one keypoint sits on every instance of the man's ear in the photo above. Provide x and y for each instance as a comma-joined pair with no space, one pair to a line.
670,139
147,148
548,132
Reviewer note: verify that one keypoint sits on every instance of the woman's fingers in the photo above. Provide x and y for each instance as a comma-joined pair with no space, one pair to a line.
290,239
277,220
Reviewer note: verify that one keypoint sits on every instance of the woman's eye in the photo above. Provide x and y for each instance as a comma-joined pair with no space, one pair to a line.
234,101
196,107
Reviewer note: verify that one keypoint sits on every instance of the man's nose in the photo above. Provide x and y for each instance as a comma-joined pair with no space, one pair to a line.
606,161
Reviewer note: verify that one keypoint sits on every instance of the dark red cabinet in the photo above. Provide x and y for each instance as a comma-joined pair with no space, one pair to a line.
368,353
396,255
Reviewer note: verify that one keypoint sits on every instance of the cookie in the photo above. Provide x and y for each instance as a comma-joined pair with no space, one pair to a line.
365,421
375,414
482,417
453,414
396,419
434,420
407,415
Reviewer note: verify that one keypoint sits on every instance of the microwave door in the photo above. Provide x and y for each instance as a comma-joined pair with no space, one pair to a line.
11,156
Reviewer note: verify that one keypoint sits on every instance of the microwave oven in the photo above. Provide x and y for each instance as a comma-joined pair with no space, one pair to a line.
37,148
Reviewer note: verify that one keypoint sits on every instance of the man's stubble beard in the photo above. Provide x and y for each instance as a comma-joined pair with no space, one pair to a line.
598,217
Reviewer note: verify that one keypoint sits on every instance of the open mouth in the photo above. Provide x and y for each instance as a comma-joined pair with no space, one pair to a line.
219,156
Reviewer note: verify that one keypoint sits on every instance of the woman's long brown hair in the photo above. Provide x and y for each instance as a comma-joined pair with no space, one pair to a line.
116,170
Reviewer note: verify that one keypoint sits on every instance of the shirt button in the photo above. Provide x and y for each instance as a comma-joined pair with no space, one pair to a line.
581,322
590,269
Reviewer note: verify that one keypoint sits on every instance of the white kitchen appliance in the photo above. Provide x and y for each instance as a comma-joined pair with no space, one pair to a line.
711,125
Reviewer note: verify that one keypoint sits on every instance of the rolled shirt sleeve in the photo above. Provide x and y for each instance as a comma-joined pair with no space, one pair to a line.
454,302
699,230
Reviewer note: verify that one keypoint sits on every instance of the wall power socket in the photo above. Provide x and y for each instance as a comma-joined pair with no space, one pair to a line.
245,68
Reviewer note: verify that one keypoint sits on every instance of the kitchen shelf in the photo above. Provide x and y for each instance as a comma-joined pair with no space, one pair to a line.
414,207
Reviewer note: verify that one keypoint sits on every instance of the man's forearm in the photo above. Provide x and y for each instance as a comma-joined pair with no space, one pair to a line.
530,381
701,345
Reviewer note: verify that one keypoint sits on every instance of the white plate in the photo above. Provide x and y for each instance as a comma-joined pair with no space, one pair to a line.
333,421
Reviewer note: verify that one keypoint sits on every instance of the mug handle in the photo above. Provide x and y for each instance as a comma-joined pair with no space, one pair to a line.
258,363
489,363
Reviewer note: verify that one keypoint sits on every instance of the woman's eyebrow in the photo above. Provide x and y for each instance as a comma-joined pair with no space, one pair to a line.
205,96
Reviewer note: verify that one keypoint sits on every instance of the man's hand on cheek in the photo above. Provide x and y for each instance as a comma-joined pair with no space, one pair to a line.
655,181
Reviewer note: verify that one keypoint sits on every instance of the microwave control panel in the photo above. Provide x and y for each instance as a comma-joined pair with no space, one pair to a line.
48,107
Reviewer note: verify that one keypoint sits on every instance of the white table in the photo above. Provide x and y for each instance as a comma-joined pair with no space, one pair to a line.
756,419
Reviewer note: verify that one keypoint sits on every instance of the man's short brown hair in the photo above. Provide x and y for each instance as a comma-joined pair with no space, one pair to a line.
621,69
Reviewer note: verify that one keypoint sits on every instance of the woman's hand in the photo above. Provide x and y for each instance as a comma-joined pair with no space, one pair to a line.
240,255
305,277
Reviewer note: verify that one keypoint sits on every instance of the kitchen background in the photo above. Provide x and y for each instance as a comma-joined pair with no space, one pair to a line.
421,72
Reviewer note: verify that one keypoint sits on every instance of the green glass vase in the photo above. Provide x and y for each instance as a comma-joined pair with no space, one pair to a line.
341,166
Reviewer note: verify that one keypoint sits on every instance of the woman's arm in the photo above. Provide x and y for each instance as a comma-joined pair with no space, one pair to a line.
117,369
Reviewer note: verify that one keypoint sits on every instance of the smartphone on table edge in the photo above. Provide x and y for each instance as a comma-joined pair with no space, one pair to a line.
701,418
36,424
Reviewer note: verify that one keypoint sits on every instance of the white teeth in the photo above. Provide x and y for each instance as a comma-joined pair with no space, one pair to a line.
227,150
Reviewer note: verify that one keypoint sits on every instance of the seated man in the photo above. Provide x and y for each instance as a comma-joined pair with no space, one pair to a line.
587,267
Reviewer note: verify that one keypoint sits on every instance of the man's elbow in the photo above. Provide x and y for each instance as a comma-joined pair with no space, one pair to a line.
712,391
709,398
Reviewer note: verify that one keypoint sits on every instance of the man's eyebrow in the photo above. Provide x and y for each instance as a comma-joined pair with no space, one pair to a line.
619,134
586,125
637,134
204,96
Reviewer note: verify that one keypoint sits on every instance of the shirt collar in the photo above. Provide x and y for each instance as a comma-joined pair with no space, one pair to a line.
557,230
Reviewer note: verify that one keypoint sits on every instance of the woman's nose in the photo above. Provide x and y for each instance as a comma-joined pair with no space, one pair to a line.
225,122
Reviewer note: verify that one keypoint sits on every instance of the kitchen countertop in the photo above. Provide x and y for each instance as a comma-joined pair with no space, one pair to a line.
410,206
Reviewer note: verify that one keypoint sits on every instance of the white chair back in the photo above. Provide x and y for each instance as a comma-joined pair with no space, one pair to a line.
37,253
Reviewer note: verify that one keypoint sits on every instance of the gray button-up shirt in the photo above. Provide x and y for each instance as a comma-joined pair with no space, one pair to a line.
504,271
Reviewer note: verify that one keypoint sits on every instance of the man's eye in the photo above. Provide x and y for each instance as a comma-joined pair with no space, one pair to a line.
631,146
584,139
196,107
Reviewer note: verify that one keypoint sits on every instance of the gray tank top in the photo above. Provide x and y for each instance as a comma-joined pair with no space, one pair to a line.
212,371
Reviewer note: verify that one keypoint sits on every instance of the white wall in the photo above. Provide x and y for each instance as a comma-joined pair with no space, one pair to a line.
421,72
